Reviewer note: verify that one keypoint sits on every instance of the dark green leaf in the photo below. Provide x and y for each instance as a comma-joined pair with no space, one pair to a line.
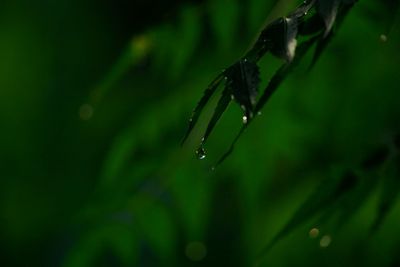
325,195
353,201
390,192
310,26
219,110
321,45
232,146
280,37
271,38
276,80
328,10
243,79
323,42
202,103
281,74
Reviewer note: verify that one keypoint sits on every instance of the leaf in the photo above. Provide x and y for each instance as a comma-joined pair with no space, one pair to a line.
276,80
328,10
353,201
310,26
283,44
219,110
271,38
375,159
390,192
323,42
232,146
243,80
290,38
325,195
321,45
280,38
392,8
281,74
202,103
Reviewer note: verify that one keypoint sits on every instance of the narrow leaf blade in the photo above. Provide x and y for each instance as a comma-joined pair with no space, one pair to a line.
201,104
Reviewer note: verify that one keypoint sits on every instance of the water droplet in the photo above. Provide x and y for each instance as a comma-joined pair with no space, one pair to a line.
325,241
226,78
383,38
314,232
245,60
259,113
244,119
201,153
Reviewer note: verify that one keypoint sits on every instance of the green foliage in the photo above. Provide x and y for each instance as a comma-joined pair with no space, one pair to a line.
95,176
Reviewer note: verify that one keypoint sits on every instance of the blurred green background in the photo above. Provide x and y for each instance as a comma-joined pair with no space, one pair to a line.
95,98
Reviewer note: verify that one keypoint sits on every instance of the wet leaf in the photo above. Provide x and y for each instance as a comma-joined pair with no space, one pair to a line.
328,10
276,80
310,26
281,74
232,146
271,38
321,45
323,42
219,110
280,37
202,103
243,80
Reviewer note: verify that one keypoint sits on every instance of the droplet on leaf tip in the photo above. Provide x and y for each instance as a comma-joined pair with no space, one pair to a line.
201,153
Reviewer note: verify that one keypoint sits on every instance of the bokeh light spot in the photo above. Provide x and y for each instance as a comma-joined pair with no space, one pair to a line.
314,232
85,112
325,241
196,251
